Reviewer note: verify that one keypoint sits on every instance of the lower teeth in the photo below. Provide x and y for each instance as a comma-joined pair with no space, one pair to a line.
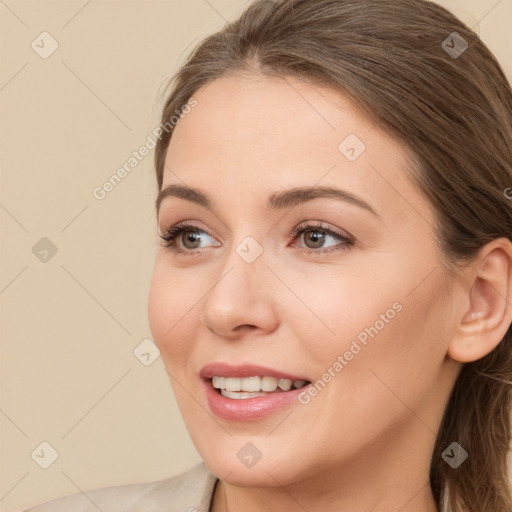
248,394
244,394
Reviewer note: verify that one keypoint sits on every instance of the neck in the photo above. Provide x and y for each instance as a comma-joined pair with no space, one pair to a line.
229,498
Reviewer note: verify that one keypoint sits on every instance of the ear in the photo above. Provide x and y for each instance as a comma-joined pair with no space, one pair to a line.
486,321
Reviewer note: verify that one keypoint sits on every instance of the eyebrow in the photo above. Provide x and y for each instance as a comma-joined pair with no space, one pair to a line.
276,201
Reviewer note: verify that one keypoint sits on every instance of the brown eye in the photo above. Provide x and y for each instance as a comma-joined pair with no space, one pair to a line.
189,235
192,237
315,237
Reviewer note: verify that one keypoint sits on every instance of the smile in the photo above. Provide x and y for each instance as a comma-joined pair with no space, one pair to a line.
250,387
248,392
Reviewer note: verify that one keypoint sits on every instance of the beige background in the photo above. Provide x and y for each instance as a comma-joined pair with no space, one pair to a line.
69,325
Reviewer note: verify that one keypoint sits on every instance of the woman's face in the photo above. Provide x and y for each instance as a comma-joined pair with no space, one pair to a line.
359,304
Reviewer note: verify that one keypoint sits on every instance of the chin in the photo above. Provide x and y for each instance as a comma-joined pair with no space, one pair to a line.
261,474
251,461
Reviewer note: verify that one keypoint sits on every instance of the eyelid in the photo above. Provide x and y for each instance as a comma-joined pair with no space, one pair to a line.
345,239
173,233
320,226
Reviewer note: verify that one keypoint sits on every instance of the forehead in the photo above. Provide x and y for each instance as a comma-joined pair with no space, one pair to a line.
259,133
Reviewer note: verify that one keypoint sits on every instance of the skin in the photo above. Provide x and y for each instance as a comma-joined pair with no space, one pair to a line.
365,442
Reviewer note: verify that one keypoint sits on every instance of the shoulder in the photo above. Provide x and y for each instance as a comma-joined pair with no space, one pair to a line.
190,491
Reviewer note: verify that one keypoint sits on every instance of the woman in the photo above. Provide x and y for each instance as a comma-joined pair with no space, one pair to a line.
332,289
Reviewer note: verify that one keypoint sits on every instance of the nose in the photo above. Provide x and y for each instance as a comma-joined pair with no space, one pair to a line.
241,300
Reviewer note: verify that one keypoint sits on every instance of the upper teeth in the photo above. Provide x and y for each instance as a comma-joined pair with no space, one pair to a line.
255,383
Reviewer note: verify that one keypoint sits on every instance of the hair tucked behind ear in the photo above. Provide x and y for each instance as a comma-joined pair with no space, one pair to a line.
455,113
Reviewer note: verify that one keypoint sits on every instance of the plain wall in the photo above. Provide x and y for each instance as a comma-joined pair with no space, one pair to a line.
70,324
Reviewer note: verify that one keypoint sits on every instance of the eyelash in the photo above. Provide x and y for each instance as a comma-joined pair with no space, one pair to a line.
168,239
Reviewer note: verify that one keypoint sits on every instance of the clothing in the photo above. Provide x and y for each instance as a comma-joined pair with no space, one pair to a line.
191,491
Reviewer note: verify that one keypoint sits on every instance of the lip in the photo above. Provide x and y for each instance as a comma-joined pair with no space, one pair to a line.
248,409
245,370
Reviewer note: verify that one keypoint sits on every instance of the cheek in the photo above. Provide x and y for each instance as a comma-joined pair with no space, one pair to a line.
375,318
343,305
171,312
390,345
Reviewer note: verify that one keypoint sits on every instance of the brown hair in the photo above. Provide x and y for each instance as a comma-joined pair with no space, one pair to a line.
401,62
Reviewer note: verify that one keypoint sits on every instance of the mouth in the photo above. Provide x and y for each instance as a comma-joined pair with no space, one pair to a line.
243,388
249,392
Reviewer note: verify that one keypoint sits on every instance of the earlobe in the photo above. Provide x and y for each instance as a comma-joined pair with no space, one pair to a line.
486,321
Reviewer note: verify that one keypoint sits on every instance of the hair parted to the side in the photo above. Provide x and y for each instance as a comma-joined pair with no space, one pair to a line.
455,115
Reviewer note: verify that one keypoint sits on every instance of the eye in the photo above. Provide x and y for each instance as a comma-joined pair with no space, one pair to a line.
315,241
190,242
317,236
